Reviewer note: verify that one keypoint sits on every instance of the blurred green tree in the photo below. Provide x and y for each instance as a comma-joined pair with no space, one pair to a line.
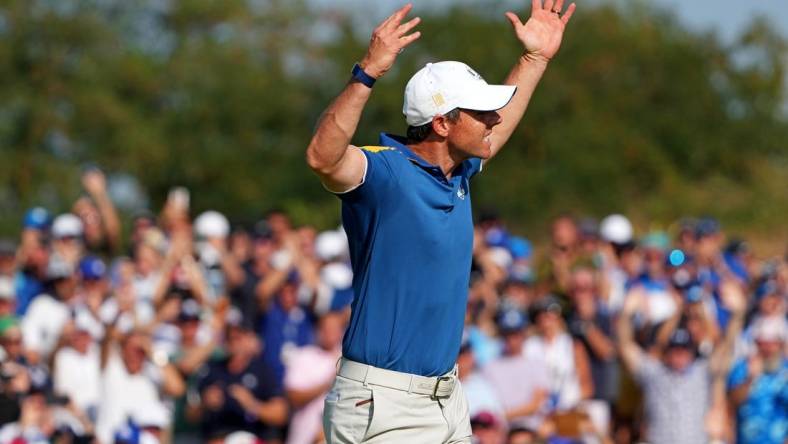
636,113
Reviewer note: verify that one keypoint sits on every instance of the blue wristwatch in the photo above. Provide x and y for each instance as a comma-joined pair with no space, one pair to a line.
360,76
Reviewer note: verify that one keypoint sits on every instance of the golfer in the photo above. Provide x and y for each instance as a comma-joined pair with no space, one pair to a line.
406,207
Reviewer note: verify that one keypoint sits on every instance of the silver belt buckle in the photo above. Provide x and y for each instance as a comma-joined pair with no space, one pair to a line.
438,383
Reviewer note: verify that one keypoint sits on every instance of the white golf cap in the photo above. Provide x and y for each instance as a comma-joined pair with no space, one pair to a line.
67,225
772,328
440,87
616,228
211,224
330,245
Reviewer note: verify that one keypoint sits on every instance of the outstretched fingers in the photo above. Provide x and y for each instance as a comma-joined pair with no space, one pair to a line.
548,5
406,27
514,19
568,14
408,39
395,19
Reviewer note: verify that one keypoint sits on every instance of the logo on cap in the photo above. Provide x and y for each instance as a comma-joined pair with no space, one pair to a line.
438,99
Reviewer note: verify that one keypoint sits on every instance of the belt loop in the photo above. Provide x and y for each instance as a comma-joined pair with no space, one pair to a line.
410,384
367,368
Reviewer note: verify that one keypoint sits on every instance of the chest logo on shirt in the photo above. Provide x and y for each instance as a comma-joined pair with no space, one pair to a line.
461,193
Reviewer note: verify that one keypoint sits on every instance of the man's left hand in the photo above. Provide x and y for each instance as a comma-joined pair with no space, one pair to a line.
541,34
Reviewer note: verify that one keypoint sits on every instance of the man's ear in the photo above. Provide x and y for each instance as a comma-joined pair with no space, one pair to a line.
440,125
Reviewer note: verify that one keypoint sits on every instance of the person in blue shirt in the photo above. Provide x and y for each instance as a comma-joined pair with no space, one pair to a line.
406,207
284,326
759,386
240,391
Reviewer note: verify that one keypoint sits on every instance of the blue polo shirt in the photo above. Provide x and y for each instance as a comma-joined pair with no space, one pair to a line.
410,231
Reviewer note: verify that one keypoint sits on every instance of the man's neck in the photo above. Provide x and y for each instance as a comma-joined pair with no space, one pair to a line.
439,154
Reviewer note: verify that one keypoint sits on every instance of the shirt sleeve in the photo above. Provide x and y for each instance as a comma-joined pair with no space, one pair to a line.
380,176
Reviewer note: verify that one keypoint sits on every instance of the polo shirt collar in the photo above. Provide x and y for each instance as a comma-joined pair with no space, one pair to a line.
398,142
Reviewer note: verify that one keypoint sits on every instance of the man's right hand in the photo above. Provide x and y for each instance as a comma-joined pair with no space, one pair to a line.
388,40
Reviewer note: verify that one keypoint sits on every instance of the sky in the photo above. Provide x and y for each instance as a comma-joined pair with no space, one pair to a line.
727,17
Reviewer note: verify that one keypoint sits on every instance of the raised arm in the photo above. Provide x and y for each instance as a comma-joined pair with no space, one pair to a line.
733,299
630,351
541,37
340,165
96,185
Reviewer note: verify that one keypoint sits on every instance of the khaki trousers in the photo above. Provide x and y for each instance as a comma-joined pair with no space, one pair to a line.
356,413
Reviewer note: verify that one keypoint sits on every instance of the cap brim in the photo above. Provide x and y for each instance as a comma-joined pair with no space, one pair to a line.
488,97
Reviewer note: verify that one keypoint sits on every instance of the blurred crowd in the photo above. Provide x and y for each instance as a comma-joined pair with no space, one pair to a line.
187,328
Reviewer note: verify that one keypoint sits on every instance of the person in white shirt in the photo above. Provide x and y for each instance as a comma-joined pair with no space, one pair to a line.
130,380
567,361
77,369
49,313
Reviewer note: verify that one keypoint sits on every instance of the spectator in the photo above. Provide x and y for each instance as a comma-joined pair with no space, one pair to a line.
36,424
655,281
253,294
97,213
617,259
14,376
310,372
131,381
241,392
68,238
591,323
564,255
567,362
198,341
521,382
7,297
285,325
487,429
480,393
221,269
49,312
676,390
77,367
758,386
770,303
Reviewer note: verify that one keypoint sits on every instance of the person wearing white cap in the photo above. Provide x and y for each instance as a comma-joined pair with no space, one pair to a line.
67,237
758,386
406,208
221,269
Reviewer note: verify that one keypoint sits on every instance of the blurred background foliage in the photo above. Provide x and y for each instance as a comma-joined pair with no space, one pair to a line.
637,114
